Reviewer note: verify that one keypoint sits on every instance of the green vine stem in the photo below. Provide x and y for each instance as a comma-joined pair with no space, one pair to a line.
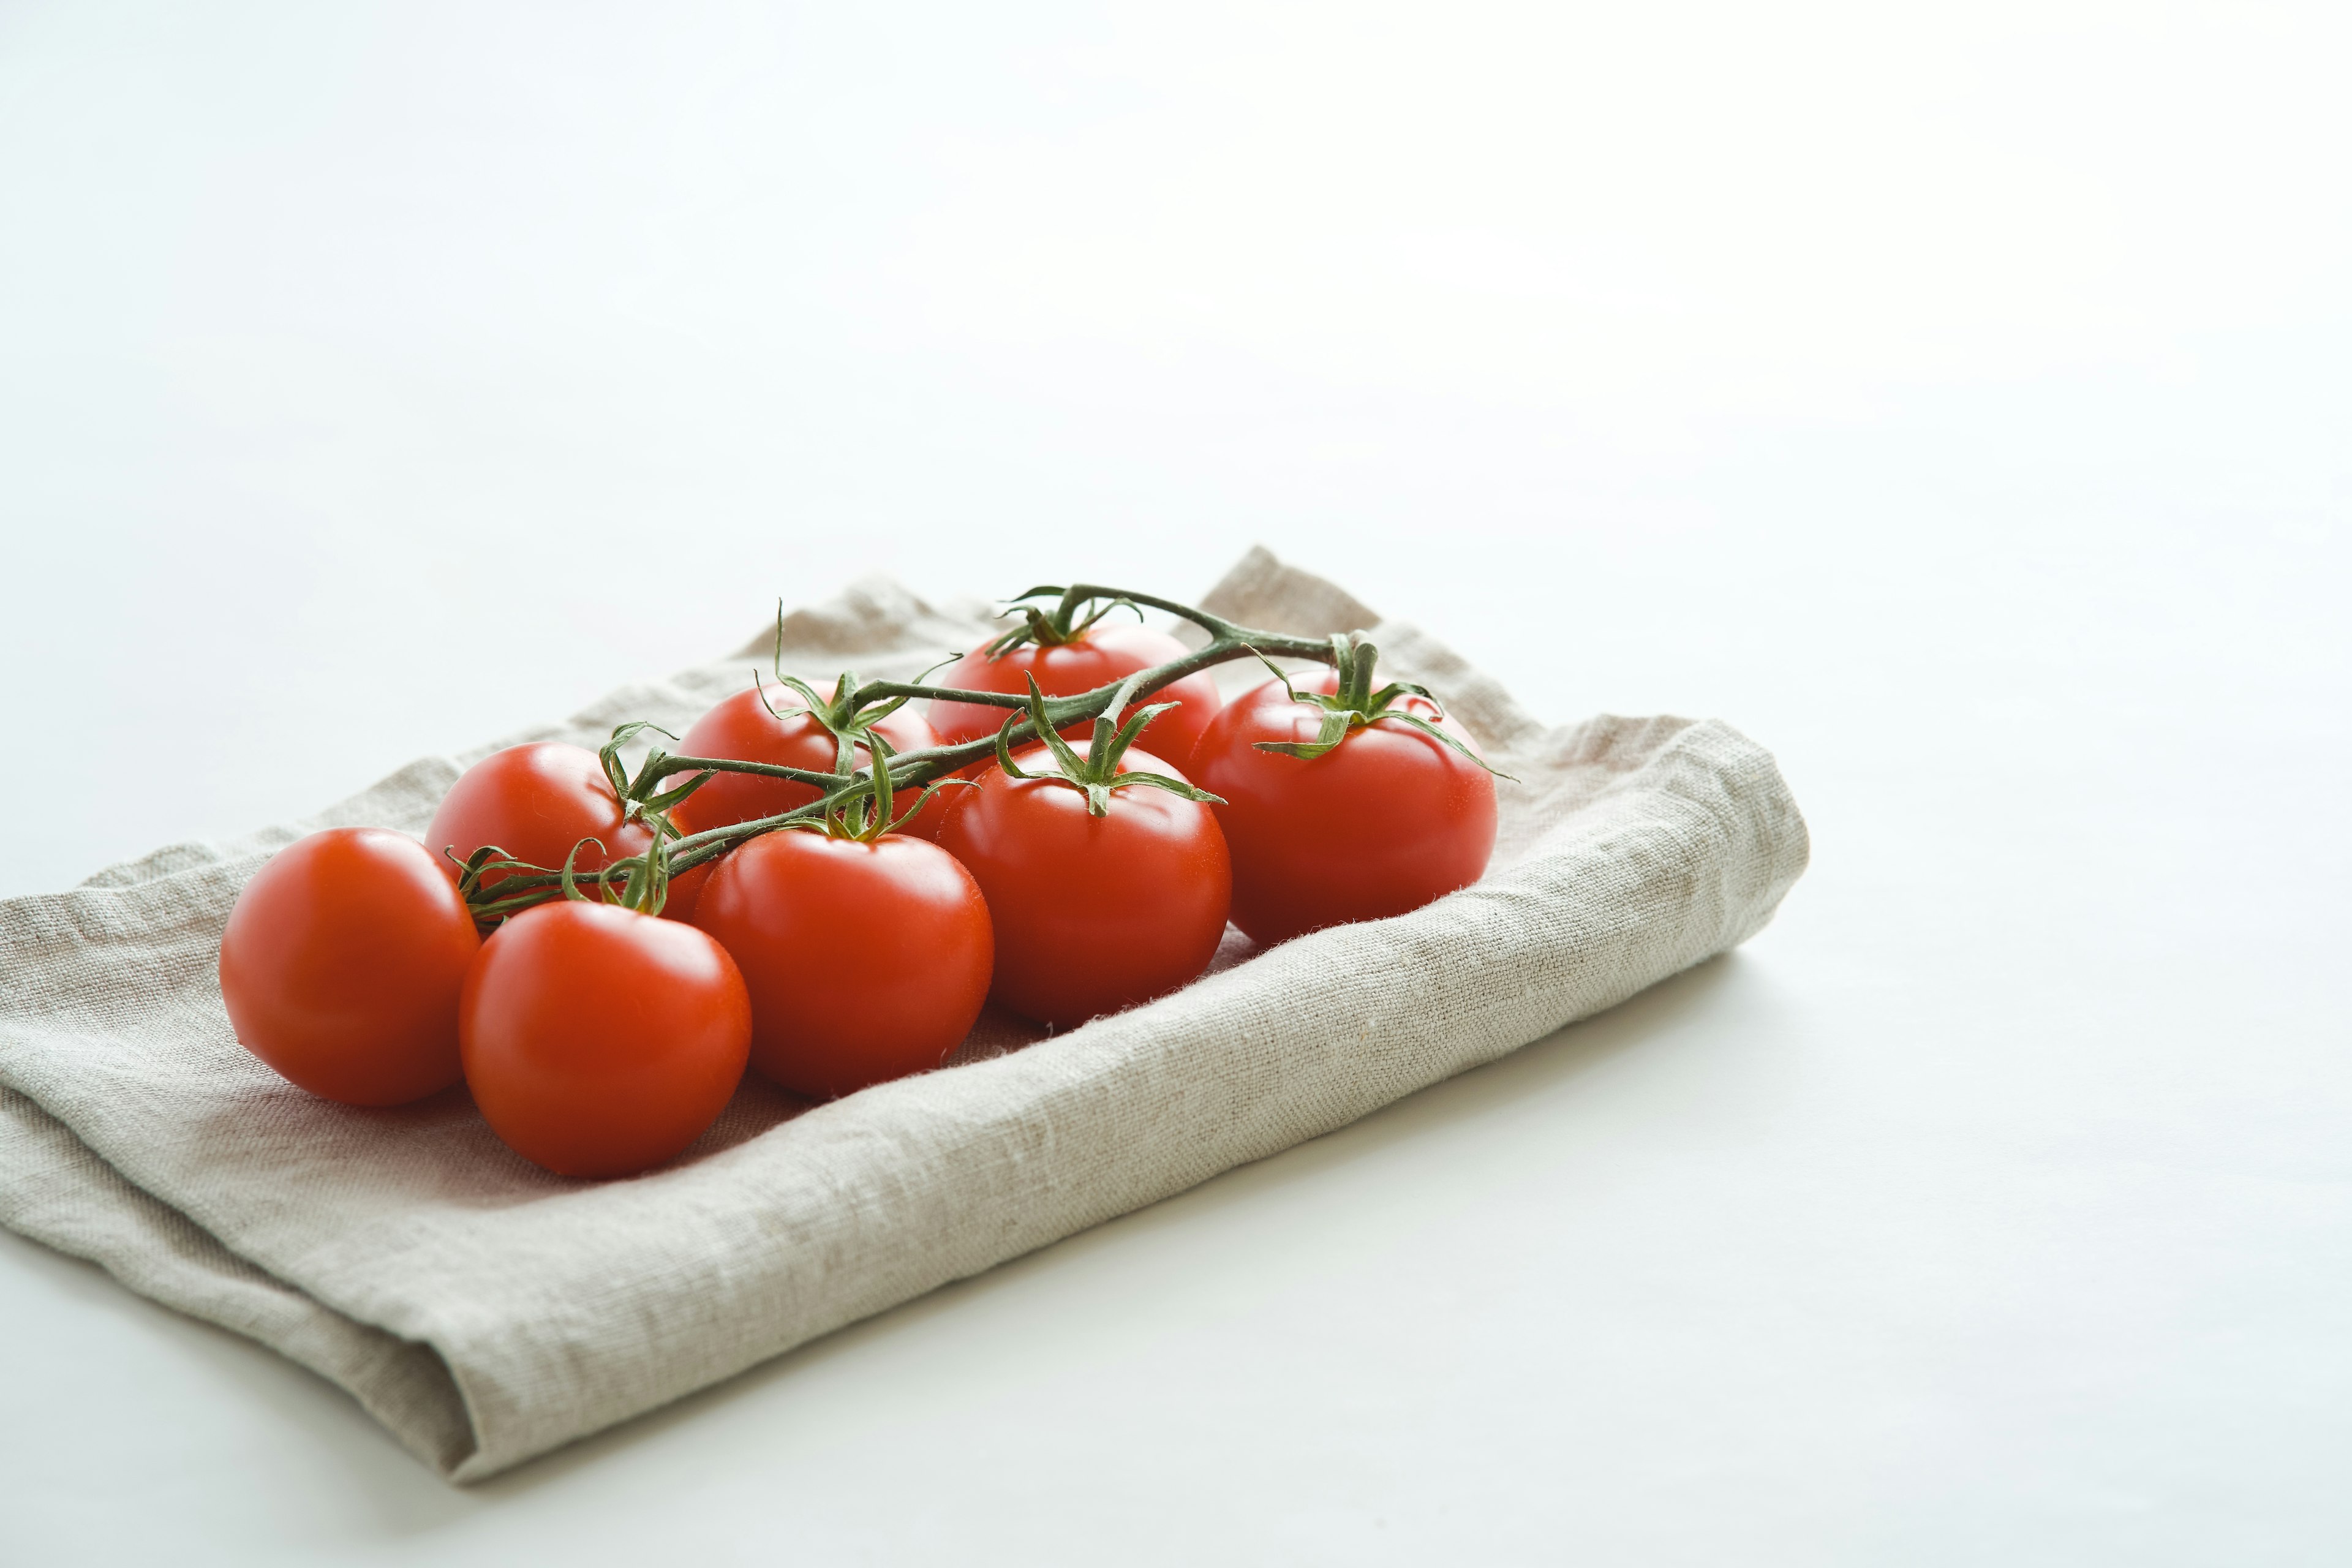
1099,773
1051,628
644,795
1356,704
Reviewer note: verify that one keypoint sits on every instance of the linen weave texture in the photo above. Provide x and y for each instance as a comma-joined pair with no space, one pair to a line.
487,1312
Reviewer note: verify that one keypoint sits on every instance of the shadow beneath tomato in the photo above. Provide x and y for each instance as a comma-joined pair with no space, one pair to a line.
1711,1010
996,1034
1000,1033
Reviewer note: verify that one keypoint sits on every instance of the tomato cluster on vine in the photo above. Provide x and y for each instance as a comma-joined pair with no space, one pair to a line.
828,887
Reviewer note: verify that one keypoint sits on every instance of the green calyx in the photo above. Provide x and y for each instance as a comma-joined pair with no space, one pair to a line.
850,723
840,715
1051,629
1096,774
1356,704
489,908
864,814
644,879
641,882
642,798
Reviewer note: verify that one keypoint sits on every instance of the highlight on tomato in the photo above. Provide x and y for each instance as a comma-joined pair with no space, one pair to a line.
1340,803
1065,656
1106,875
536,803
341,965
600,1040
866,952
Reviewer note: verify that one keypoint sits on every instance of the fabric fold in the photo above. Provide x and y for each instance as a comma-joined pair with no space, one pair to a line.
485,1311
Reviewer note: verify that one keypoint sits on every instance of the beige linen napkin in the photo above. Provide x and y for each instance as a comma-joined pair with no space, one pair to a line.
485,1311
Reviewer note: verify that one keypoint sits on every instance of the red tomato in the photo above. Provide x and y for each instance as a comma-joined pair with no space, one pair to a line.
1092,913
1100,656
741,728
1388,820
865,961
598,1041
536,802
341,963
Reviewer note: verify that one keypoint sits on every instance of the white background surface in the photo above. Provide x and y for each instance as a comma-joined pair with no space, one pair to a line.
1957,401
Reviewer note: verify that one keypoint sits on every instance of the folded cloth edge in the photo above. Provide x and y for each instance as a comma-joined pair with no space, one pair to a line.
1702,802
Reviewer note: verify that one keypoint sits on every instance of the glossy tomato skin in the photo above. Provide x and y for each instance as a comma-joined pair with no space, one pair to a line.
341,965
1093,914
1104,655
536,802
599,1041
863,961
1383,824
742,729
